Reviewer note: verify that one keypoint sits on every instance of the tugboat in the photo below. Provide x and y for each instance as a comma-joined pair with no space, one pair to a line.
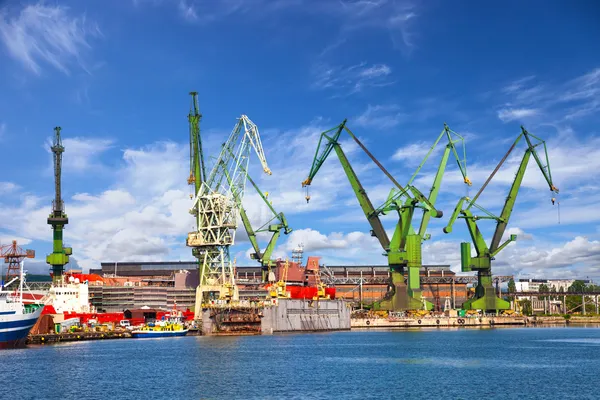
173,326
16,319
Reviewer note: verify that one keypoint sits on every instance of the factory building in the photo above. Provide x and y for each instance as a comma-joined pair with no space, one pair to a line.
533,285
159,284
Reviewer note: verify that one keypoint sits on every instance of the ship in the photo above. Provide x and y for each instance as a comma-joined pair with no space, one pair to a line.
16,317
70,299
171,327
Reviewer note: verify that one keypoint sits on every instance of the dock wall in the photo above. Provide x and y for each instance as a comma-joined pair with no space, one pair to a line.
294,315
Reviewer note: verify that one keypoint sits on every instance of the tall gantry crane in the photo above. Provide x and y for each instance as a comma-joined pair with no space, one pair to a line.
216,206
404,249
275,225
57,218
485,297
13,255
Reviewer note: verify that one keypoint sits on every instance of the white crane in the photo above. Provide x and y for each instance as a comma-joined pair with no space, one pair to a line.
216,206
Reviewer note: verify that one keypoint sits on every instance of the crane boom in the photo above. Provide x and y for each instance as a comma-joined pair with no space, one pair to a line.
485,297
197,167
331,143
437,181
264,257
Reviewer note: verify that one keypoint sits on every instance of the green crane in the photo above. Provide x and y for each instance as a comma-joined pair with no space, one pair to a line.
275,225
197,168
404,249
57,218
485,297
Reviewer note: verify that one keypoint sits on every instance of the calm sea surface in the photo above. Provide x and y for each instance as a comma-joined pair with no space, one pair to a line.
527,363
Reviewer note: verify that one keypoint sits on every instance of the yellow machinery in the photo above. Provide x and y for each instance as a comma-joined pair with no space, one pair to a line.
320,288
278,290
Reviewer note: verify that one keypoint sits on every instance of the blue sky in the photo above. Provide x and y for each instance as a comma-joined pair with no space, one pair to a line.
116,75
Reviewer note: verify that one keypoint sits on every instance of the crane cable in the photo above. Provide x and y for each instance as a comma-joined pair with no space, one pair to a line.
494,172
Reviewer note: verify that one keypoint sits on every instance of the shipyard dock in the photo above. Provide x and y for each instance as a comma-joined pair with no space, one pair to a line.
75,337
437,322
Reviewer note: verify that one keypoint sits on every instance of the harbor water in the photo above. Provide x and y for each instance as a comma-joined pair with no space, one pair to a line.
500,363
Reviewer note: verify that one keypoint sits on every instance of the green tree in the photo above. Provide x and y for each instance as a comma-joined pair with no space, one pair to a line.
526,307
512,287
574,302
543,289
577,287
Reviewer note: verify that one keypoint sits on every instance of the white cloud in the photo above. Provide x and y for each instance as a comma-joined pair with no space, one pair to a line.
7,240
412,153
565,101
353,79
394,17
380,117
143,217
511,114
521,234
540,259
6,187
47,34
81,153
575,258
353,247
187,10
517,85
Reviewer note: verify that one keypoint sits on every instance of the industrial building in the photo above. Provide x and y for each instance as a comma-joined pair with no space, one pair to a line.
533,285
160,284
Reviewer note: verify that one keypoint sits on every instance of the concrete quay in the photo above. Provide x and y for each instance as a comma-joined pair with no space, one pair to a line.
436,322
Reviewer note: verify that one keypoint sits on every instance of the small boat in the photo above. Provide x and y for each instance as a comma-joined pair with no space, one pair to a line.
171,327
16,318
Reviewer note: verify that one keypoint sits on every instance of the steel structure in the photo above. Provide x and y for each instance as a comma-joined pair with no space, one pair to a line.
13,255
216,206
57,218
274,225
404,248
485,298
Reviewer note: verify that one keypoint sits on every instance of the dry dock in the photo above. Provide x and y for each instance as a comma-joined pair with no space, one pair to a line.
283,315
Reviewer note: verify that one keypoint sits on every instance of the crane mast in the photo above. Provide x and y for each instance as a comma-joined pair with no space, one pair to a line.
216,206
485,297
404,248
57,218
